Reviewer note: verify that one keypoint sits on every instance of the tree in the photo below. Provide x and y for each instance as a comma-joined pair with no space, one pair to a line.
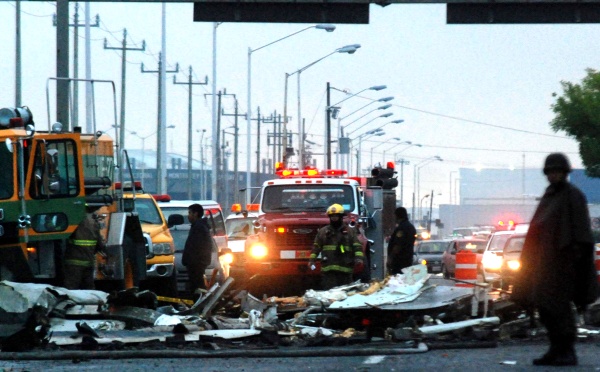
578,114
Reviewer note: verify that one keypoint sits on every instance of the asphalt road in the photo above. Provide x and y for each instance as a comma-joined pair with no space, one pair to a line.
506,356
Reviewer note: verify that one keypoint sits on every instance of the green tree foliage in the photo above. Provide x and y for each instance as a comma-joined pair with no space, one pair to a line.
578,114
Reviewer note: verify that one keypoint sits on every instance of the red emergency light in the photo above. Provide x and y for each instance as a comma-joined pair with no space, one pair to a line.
311,172
127,185
161,197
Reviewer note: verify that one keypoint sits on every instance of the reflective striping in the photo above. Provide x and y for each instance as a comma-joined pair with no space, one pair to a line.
83,263
83,243
466,266
291,255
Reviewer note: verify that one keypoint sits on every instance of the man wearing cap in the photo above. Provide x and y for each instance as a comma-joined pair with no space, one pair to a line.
401,246
557,267
340,249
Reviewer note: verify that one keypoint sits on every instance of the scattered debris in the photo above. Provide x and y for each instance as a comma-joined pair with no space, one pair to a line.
409,309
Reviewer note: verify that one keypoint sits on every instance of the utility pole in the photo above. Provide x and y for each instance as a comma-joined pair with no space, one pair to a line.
235,147
272,119
18,54
62,63
159,139
76,26
124,50
216,140
258,118
190,83
328,129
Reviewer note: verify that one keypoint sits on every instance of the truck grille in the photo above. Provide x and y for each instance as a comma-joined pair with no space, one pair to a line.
297,236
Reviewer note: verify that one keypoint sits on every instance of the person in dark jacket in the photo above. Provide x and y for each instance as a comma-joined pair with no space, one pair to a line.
198,248
340,250
80,254
401,246
557,267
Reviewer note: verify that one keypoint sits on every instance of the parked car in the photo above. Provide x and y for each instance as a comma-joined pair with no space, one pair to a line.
449,257
429,253
511,263
177,210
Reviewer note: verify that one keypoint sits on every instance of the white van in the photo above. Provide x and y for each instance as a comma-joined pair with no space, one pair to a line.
216,222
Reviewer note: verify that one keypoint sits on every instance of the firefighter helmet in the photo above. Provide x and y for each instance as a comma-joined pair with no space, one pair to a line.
557,161
335,209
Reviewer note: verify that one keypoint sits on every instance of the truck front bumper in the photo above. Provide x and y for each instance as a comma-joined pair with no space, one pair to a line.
159,270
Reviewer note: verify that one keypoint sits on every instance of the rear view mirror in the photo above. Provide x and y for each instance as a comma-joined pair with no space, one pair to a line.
128,205
175,219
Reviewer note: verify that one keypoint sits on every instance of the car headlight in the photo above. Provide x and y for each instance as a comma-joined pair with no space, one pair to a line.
162,248
514,265
492,262
258,250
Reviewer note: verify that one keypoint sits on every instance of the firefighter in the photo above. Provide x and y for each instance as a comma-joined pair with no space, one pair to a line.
340,249
80,255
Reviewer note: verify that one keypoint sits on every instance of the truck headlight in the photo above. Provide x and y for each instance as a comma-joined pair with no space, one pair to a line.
258,250
514,265
162,248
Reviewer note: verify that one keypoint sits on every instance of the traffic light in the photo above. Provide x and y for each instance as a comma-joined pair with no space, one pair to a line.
384,177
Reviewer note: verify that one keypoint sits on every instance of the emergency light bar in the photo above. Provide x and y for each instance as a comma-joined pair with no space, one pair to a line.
297,173
126,186
237,208
161,197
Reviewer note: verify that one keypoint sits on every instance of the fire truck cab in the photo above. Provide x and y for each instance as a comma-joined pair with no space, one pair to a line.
291,211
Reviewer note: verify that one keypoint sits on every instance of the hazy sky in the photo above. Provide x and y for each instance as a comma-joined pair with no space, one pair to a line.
475,95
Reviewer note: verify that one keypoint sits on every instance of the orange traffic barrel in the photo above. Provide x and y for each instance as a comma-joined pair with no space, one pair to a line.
466,268
598,262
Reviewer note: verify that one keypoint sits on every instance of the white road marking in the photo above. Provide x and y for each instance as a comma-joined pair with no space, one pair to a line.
374,359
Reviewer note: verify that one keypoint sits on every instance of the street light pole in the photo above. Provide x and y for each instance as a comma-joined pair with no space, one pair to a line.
349,49
416,180
331,108
326,27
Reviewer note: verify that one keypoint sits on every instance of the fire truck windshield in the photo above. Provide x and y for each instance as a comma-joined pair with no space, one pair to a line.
306,197
6,176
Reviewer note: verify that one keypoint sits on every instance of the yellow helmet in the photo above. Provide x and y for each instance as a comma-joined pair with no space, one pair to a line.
335,209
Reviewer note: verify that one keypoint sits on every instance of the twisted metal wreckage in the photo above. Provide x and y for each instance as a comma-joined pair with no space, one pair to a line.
414,310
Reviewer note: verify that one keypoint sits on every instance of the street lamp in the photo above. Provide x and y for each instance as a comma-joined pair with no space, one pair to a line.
384,107
393,147
332,111
421,206
397,139
416,181
386,115
326,27
349,49
375,133
143,138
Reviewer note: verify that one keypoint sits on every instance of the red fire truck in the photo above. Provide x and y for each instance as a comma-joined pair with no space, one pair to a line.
292,209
